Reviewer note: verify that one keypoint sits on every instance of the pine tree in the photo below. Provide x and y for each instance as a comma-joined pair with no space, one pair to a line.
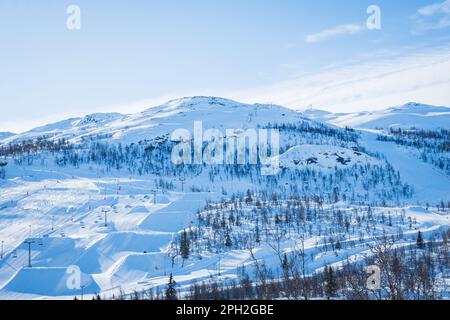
257,236
248,198
171,292
335,195
228,241
185,245
277,219
285,266
420,242
330,282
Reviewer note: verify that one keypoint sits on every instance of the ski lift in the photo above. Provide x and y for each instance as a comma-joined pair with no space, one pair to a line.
14,254
40,242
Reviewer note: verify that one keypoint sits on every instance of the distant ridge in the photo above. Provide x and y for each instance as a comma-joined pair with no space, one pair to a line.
408,116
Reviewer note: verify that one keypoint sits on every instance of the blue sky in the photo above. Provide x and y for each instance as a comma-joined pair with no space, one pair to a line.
129,55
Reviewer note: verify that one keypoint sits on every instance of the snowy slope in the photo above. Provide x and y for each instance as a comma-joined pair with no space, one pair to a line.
69,128
410,115
430,184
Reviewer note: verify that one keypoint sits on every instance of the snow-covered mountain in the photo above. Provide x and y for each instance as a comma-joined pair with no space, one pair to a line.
409,116
67,129
4,135
112,204
223,113
160,120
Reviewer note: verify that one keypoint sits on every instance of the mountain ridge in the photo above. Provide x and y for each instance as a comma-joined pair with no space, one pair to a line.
6,134
160,120
412,115
409,115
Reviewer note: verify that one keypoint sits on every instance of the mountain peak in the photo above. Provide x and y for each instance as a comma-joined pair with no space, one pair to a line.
98,118
413,104
199,100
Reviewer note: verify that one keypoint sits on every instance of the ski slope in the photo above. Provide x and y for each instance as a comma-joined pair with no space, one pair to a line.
138,230
430,184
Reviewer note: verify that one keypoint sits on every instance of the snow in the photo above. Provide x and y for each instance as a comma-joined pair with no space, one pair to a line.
103,254
323,157
47,281
430,185
410,115
176,215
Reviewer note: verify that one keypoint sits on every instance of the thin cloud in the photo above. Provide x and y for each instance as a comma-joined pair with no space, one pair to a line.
422,77
433,17
347,29
430,10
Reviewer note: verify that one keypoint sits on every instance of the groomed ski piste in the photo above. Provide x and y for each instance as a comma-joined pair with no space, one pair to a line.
118,227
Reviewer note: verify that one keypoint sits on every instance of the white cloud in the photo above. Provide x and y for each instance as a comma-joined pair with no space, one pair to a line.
433,17
422,77
443,7
334,32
